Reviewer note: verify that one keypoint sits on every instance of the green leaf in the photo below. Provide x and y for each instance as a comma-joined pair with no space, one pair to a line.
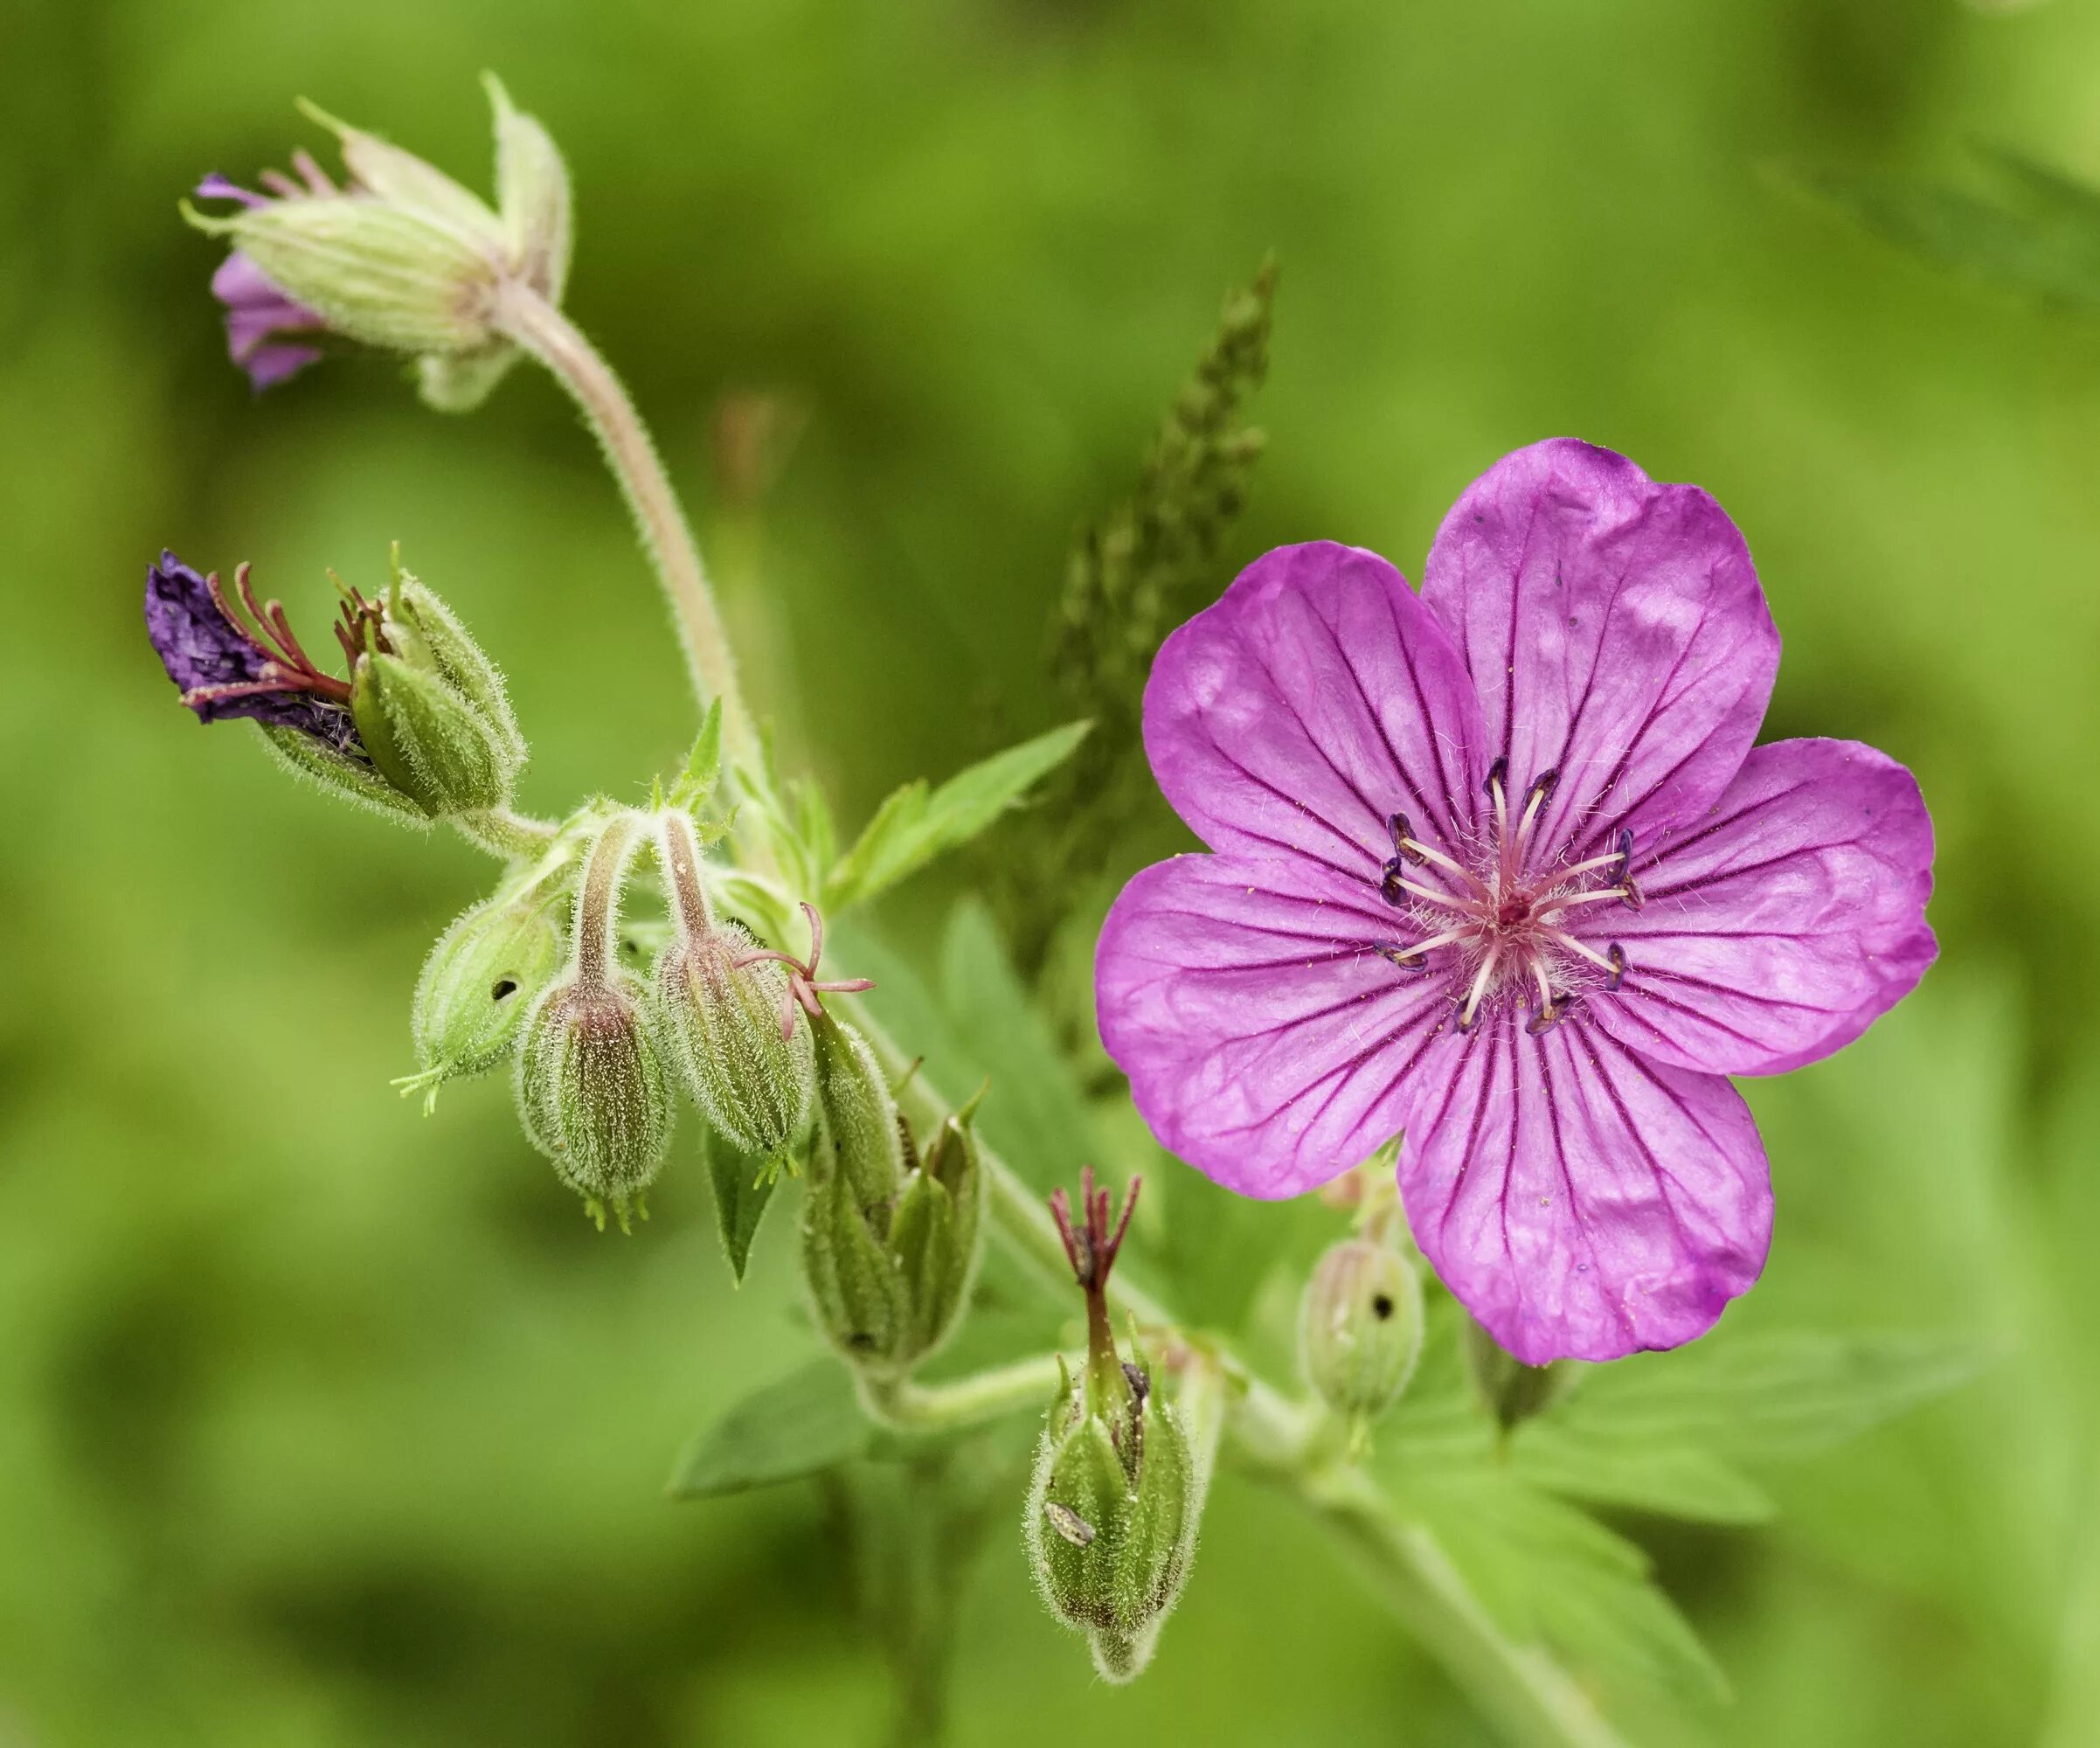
1677,1481
2041,237
743,1186
704,764
1551,1574
1035,1114
1767,1395
915,825
807,1421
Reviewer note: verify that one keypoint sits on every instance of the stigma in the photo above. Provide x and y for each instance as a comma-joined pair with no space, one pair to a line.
1502,922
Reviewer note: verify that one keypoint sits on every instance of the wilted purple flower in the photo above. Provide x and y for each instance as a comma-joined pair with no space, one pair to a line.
1499,866
261,321
229,668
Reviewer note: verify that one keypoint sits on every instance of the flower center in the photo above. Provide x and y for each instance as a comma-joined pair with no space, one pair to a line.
1499,925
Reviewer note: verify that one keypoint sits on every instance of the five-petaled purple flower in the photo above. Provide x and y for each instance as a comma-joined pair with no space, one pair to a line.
267,332
1498,866
230,668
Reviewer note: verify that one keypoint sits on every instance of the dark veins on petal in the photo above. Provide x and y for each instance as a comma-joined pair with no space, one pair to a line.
215,661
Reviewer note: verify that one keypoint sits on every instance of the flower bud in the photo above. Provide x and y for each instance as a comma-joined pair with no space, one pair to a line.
856,1286
933,1234
860,1141
1118,1489
478,985
592,1090
727,1014
1359,1328
430,707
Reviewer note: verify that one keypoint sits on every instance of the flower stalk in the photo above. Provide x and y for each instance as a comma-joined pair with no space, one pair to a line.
535,324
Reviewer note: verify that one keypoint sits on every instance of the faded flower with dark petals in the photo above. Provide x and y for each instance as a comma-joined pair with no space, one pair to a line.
1499,866
230,667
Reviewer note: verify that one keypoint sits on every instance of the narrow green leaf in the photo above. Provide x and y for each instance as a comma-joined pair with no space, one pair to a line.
704,764
743,1186
807,1421
2041,239
915,825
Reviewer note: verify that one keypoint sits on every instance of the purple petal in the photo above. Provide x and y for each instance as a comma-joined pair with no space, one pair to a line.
1778,928
259,316
1617,632
1266,1039
1583,1202
1316,699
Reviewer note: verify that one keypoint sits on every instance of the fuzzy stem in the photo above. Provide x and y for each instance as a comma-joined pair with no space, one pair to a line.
543,330
597,900
502,833
680,850
1027,1383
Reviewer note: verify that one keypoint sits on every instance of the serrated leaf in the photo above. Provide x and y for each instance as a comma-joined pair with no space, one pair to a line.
2041,239
1767,1395
1551,1574
703,766
916,824
806,1422
744,1185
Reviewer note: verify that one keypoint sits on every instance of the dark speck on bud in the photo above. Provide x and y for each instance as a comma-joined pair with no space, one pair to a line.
1359,1328
478,985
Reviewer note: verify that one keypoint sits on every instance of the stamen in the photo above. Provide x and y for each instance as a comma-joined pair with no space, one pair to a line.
1550,1015
1616,859
1414,955
1404,846
1423,852
1543,786
1498,774
1567,942
1547,907
1470,1007
1616,964
1626,853
1393,882
1631,896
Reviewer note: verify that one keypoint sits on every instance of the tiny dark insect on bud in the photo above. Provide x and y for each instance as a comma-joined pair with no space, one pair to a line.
477,986
1360,1326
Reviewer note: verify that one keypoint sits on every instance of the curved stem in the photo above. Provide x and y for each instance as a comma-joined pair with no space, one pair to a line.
597,900
1028,1383
500,832
550,337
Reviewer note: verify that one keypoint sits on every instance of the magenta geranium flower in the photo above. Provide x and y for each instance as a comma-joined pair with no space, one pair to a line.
1498,866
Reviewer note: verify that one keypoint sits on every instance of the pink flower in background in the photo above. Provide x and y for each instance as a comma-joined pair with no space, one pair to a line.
1498,866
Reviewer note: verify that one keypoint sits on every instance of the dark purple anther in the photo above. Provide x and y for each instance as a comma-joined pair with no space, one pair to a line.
1399,955
1390,883
227,669
1617,955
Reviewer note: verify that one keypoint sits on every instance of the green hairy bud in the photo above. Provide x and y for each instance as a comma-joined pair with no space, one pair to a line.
430,707
889,1240
1359,1328
593,1091
727,1016
479,984
1118,1489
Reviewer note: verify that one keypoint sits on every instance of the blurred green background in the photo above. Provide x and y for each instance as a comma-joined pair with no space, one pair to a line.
323,1423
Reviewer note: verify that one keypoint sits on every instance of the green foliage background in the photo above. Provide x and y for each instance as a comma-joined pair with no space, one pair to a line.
323,1423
